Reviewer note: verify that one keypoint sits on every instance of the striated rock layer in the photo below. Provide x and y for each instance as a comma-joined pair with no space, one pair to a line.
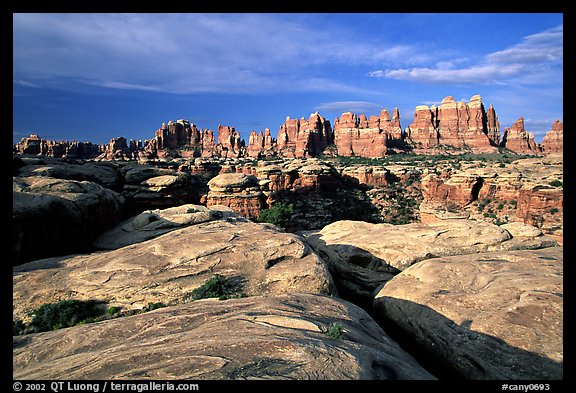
553,141
492,315
358,136
520,141
257,258
275,337
304,138
455,125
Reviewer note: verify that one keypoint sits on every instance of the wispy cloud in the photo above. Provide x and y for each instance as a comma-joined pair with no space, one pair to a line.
349,106
188,53
536,59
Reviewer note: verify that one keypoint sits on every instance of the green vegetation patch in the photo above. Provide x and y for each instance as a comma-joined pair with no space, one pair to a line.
278,214
334,331
218,286
62,314
556,183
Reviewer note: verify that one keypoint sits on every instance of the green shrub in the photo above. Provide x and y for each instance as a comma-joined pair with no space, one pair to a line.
556,183
500,206
218,286
153,306
113,310
18,327
554,210
278,214
63,314
334,331
513,202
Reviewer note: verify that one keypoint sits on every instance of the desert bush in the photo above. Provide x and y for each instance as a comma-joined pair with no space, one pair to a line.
278,214
556,183
334,331
153,306
63,314
218,286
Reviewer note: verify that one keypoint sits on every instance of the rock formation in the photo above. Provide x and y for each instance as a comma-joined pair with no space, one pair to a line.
256,258
543,207
553,141
262,338
518,140
183,139
261,145
304,138
148,187
492,315
358,136
452,127
456,125
238,191
34,145
520,191
118,149
153,223
58,217
360,262
422,133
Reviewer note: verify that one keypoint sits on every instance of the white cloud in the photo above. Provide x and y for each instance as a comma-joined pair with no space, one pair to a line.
538,58
187,53
486,73
357,107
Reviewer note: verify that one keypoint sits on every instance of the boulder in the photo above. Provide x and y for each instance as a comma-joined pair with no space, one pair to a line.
101,173
152,223
276,337
148,187
58,217
256,258
491,315
238,191
362,256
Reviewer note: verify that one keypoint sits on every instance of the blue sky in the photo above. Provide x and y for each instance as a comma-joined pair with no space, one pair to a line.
98,76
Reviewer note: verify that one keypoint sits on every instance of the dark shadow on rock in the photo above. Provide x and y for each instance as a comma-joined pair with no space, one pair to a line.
452,351
357,273
316,209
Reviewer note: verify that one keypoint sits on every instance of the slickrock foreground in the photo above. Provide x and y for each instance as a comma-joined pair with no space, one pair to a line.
257,258
363,256
494,315
277,337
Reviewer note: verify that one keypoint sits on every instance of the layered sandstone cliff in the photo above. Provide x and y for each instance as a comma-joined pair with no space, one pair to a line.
34,145
553,141
520,141
367,137
456,125
304,138
453,127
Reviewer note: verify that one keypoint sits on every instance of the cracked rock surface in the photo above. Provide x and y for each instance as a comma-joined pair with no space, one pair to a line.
275,337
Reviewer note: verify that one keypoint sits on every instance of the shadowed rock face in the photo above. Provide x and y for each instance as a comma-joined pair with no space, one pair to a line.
257,258
278,337
362,256
494,315
59,217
